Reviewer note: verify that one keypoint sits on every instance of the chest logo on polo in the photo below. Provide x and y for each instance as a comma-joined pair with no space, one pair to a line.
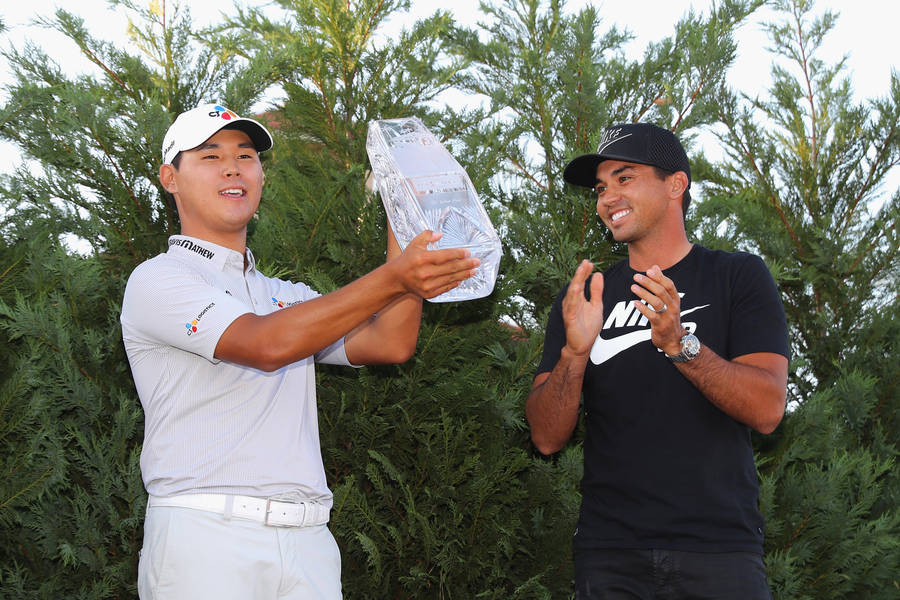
624,314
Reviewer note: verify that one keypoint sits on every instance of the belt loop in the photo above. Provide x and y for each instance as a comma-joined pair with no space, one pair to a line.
229,505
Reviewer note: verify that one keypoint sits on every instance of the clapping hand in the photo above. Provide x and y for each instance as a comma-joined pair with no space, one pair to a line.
583,319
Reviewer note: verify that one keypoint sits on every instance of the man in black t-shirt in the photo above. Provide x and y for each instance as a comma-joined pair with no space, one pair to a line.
678,351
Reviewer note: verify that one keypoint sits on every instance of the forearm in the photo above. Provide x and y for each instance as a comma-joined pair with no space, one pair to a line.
750,389
269,342
390,336
552,405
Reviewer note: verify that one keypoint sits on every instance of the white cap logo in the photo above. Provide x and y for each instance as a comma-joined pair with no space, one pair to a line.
610,136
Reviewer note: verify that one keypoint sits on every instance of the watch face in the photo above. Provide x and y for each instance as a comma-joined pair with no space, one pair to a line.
690,346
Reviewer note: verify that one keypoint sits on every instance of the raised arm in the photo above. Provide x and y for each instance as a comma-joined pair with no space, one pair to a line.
390,335
552,405
269,342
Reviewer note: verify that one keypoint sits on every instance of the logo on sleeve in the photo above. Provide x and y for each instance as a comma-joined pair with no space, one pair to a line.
193,325
284,303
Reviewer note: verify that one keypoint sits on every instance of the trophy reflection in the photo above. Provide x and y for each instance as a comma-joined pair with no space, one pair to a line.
423,187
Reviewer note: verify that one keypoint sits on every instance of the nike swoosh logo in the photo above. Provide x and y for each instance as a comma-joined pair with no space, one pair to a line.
690,310
604,145
604,349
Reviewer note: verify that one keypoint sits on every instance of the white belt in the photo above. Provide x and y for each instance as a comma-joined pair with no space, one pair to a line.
277,513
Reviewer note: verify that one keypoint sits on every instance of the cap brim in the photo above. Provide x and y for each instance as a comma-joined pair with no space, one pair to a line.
258,134
582,170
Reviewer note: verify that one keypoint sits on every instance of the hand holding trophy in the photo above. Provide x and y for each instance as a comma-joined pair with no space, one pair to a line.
423,187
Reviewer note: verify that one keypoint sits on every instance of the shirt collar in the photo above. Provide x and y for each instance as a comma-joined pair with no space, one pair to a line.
205,252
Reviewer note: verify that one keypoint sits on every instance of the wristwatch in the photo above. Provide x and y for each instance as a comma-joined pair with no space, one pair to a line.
690,348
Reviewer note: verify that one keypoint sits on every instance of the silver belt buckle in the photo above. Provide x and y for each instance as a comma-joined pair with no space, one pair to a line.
269,512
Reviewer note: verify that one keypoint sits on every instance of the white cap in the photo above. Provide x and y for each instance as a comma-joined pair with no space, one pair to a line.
195,126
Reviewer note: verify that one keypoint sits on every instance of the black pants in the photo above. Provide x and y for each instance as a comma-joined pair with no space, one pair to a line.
669,575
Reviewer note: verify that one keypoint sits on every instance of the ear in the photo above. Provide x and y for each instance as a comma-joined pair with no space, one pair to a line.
167,178
678,182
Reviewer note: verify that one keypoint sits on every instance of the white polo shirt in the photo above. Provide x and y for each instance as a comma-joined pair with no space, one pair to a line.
214,426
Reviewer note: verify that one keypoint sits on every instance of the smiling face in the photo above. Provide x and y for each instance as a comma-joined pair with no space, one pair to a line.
634,202
217,188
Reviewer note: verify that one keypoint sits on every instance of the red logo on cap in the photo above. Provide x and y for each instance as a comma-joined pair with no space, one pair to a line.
221,111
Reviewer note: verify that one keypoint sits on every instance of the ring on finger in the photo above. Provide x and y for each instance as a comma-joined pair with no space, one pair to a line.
661,310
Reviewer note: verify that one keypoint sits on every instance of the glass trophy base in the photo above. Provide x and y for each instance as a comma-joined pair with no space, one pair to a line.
423,187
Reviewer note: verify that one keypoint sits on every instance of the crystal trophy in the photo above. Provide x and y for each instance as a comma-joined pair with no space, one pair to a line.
423,187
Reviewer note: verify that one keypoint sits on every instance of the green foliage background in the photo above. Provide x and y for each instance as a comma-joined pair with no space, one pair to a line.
438,492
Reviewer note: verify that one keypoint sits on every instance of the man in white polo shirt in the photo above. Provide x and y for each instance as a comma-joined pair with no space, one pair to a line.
223,361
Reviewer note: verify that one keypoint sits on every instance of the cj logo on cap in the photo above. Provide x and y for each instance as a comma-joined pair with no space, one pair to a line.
221,111
610,136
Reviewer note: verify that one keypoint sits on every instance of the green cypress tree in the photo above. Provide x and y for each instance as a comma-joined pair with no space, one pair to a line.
436,491
802,184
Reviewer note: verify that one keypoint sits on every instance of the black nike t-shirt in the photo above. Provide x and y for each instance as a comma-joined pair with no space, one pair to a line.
663,467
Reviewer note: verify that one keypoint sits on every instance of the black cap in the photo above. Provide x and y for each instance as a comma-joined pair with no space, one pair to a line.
642,143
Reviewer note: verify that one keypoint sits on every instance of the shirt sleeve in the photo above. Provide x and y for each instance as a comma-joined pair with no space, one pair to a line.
554,337
335,354
169,304
758,322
